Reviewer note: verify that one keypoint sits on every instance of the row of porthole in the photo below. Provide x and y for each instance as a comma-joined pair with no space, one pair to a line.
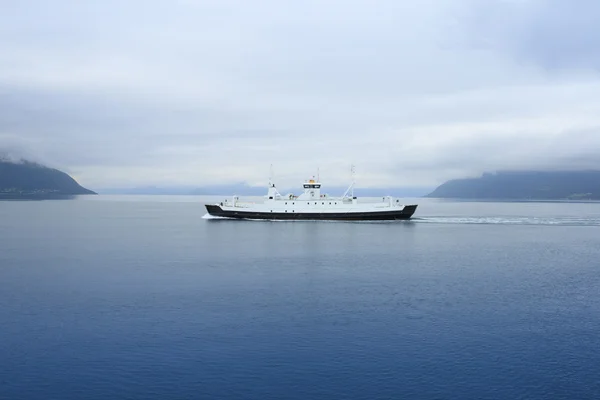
315,203
306,203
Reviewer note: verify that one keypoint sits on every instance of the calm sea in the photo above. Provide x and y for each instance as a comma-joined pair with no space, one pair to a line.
138,297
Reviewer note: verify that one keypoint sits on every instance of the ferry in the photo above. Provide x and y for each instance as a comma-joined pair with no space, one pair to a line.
312,205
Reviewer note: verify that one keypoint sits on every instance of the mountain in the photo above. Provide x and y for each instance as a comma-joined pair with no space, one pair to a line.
524,185
149,190
240,189
28,180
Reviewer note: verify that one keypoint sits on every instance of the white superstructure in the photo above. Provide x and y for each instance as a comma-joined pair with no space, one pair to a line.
311,200
312,204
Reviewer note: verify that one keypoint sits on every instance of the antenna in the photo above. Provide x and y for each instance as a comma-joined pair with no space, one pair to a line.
271,176
353,173
318,175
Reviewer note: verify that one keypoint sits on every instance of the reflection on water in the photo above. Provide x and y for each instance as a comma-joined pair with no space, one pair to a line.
141,297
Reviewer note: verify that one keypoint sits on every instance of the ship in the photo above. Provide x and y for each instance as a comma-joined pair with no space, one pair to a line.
312,205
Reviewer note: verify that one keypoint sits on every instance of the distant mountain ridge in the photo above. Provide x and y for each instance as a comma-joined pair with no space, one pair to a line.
29,180
524,185
245,190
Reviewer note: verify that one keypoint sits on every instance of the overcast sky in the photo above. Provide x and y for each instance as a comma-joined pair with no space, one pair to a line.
201,92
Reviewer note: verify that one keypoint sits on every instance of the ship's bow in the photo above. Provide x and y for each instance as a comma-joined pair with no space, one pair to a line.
214,210
408,211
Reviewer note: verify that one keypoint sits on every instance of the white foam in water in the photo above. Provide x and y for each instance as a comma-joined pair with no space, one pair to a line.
208,216
513,220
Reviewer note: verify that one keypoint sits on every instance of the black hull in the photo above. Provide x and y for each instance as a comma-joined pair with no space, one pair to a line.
405,213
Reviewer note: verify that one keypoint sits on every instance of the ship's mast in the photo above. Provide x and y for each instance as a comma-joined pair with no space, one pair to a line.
272,193
351,187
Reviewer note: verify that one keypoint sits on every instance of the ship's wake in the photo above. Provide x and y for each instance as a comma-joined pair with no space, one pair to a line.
516,220
492,220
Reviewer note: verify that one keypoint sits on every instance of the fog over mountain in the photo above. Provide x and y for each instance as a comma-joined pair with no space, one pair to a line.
212,92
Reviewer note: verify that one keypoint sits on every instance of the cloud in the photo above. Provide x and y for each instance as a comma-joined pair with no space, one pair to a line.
552,34
209,92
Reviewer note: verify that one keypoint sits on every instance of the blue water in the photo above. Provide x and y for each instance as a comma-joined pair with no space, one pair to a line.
141,298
